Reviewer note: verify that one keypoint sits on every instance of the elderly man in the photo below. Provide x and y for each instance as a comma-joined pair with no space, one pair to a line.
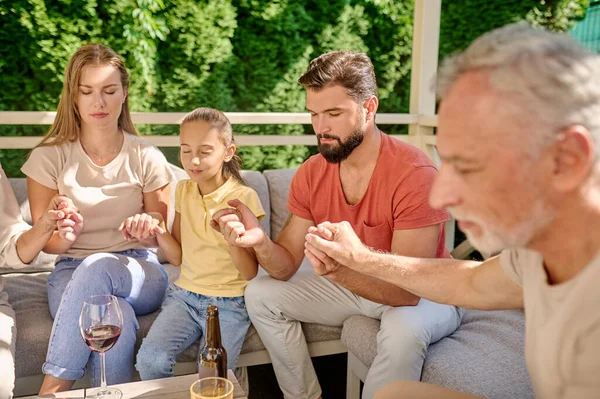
19,245
518,131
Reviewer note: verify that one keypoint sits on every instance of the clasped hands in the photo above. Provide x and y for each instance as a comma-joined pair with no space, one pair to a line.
143,226
62,215
330,246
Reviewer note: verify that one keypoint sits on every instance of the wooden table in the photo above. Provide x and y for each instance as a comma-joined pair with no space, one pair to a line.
168,388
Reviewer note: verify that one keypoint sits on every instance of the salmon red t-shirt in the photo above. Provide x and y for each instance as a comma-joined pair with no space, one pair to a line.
396,198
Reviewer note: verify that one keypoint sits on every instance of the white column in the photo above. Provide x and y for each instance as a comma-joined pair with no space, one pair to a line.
425,51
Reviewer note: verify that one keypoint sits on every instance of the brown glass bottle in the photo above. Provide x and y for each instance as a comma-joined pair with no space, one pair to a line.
212,359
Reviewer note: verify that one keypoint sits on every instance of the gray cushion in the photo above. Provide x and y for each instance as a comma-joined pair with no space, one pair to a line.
19,186
485,356
27,295
279,186
257,181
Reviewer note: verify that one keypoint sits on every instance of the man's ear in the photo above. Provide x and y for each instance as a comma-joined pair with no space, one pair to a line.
229,152
371,105
573,157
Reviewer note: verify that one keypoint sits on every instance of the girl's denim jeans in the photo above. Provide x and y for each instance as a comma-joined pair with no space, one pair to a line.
181,322
135,277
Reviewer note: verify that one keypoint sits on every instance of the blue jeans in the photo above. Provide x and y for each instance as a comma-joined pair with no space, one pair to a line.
135,277
181,322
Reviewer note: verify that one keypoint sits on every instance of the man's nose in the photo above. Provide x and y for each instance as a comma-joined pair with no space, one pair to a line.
444,192
321,125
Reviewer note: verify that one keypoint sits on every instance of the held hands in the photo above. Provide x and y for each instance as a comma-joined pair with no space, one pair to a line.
64,215
142,226
331,245
239,225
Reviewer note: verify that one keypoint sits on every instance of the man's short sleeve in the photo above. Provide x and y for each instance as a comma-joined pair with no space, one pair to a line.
44,165
299,195
157,172
512,261
411,201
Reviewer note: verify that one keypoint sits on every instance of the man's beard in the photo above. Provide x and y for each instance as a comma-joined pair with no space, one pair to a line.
343,150
494,239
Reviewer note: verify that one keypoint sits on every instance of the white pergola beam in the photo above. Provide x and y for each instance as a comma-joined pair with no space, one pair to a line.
175,118
425,49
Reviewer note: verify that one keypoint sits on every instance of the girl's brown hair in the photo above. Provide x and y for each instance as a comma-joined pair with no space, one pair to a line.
219,121
67,124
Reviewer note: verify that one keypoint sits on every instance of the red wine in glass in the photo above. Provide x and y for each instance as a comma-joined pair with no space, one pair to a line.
100,323
101,338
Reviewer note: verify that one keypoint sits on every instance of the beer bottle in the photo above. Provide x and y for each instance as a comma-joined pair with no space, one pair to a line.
212,358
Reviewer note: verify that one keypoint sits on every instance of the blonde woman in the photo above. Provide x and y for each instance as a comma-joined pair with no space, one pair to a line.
94,156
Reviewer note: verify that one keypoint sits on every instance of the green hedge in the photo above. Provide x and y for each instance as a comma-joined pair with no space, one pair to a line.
235,55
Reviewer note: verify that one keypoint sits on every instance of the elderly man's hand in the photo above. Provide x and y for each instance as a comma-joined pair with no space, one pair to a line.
330,245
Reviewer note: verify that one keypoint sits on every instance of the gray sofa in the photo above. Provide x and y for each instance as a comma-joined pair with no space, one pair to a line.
485,356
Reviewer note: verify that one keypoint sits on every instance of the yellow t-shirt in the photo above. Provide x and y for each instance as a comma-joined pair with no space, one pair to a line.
206,266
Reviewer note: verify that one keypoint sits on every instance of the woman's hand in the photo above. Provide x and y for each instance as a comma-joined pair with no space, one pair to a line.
70,227
62,213
142,226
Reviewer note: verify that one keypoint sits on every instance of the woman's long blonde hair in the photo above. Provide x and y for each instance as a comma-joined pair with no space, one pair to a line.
67,124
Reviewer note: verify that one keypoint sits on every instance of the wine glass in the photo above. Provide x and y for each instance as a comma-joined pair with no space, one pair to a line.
100,324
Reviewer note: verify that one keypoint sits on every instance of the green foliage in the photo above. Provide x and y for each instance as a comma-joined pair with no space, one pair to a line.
464,20
234,55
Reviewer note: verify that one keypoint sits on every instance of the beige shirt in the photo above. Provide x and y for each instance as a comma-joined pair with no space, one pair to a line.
11,227
562,344
105,195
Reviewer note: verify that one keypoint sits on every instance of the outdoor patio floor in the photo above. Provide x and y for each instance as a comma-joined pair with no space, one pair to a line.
331,371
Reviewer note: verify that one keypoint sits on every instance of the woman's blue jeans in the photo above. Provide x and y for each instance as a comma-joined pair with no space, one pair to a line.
135,277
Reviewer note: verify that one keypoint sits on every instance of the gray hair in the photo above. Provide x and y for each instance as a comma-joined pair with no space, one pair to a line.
556,78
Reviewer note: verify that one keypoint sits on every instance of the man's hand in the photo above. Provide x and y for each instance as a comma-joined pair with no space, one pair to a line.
142,226
321,263
239,225
330,245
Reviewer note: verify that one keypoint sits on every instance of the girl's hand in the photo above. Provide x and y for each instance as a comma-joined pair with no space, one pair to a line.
141,226
232,228
239,225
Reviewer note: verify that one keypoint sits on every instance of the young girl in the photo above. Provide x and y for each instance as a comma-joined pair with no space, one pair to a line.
212,272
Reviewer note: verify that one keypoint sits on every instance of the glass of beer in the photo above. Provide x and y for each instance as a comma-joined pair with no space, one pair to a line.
212,388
